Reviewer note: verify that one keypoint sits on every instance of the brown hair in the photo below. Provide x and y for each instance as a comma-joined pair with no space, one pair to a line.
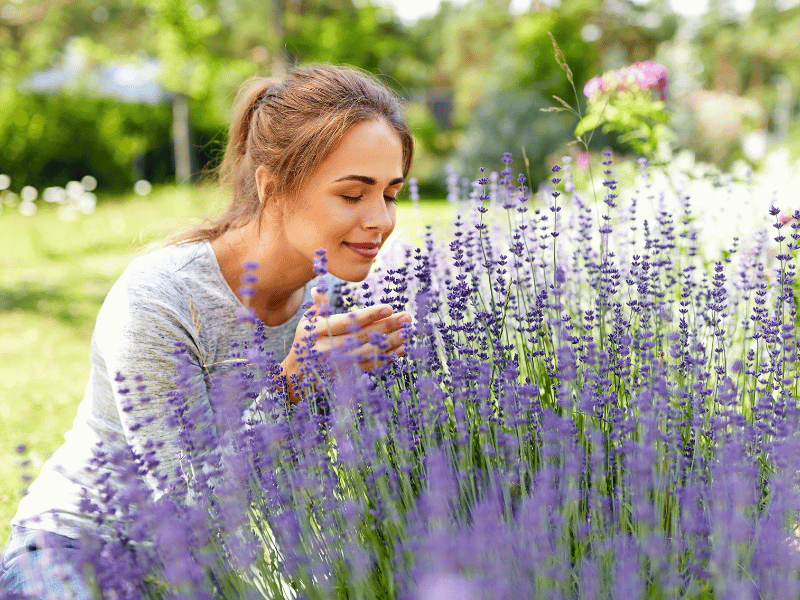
291,126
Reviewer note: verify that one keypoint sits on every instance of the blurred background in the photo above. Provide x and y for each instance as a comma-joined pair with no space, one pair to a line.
128,91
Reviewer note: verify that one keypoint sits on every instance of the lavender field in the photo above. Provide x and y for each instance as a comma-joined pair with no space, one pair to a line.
594,404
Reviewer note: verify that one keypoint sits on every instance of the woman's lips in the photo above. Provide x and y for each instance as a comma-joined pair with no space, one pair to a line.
366,250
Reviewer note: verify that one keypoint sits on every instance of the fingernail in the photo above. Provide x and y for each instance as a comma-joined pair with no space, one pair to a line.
406,318
385,311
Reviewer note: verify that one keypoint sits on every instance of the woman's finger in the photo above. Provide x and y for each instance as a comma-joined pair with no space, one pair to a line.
347,323
384,358
393,323
380,350
379,344
361,344
321,304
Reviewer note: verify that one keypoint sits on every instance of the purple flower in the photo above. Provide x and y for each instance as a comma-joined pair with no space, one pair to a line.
413,190
320,262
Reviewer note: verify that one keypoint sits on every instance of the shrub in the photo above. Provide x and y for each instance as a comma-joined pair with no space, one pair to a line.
51,139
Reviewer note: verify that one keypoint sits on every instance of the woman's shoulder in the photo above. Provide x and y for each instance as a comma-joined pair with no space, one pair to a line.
177,263
169,259
169,273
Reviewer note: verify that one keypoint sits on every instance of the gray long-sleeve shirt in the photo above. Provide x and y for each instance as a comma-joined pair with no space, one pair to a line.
174,294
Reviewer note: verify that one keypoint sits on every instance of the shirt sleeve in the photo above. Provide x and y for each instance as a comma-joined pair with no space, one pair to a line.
147,338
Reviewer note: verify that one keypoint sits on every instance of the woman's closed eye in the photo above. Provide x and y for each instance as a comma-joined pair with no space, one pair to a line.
360,197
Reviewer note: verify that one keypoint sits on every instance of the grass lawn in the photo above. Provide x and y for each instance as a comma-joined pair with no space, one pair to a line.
54,276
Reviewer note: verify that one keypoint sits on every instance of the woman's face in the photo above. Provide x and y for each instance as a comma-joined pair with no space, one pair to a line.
348,206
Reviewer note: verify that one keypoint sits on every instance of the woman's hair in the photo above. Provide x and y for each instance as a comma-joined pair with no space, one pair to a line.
291,126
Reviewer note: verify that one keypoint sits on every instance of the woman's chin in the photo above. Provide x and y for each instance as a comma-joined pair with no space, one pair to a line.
351,274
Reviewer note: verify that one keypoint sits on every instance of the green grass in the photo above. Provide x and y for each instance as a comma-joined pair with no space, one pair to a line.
54,276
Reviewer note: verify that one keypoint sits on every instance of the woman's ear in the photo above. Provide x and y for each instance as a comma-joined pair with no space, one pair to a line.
265,183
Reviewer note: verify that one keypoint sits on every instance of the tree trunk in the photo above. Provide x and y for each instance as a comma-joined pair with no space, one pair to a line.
181,139
280,59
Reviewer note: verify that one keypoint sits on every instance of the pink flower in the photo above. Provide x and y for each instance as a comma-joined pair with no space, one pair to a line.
785,216
649,74
621,77
593,86
645,75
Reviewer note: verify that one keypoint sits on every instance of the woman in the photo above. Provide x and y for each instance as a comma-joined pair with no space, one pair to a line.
315,161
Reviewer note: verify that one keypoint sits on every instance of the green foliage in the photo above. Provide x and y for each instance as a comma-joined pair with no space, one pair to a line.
54,138
512,121
534,49
501,70
480,53
179,34
640,120
367,36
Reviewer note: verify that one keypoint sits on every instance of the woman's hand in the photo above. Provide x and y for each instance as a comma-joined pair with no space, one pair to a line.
371,336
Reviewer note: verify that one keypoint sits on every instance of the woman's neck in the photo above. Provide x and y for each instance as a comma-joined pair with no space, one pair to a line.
281,273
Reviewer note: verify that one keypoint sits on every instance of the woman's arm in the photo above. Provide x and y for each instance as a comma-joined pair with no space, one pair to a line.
157,384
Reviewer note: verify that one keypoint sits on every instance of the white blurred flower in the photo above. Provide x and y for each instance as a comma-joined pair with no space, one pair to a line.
74,189
5,181
142,187
100,14
54,194
27,208
591,33
29,193
87,203
754,144
89,183
10,199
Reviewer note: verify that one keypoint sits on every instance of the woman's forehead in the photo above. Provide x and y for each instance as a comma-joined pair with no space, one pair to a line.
370,152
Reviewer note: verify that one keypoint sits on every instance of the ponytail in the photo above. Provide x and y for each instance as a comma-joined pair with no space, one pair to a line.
247,102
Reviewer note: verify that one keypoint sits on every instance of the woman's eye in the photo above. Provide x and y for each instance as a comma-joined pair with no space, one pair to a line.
354,199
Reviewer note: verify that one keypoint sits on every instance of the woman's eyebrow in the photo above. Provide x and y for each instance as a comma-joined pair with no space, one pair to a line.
368,180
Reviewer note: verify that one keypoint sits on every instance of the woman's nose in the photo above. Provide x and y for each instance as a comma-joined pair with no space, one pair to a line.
380,215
